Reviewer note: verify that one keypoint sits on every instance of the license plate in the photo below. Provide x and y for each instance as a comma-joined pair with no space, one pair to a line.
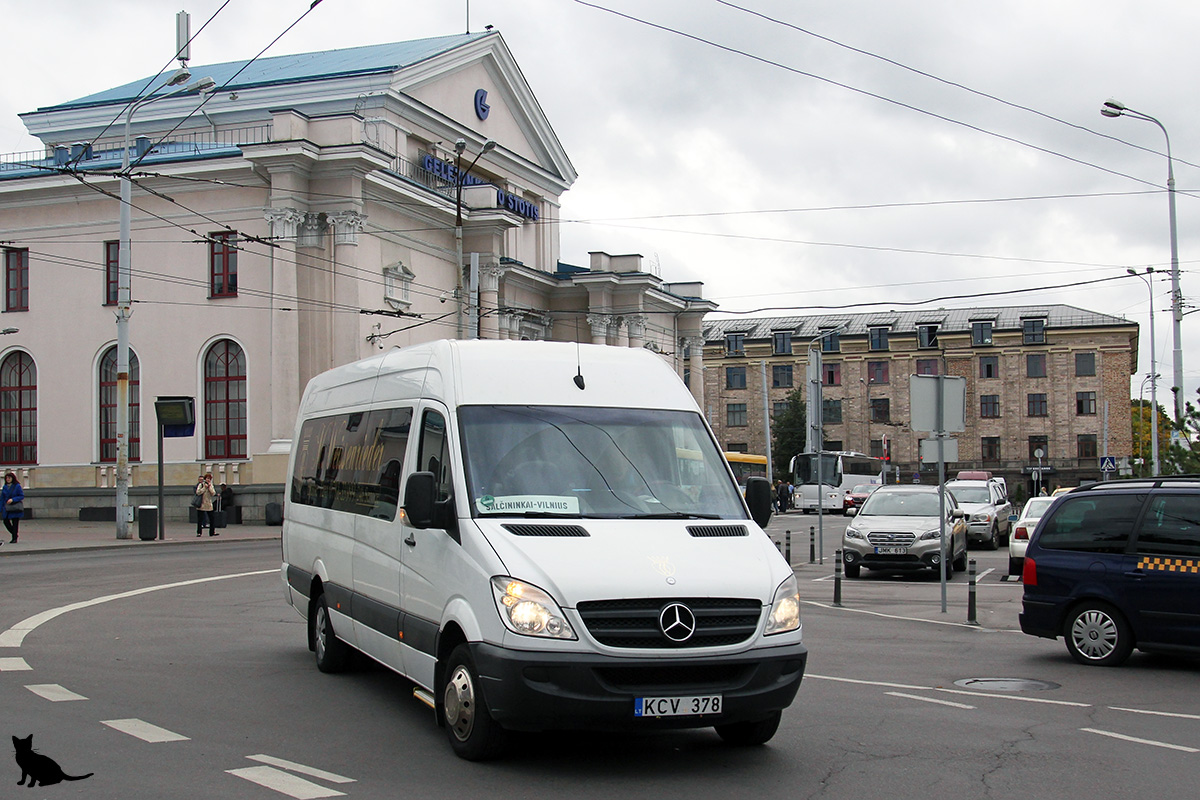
890,551
676,706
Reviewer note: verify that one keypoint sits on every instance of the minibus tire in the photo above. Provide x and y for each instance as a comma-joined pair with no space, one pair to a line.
472,732
750,734
332,653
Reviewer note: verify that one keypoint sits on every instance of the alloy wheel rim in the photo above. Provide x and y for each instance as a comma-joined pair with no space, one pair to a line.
1094,634
459,702
322,625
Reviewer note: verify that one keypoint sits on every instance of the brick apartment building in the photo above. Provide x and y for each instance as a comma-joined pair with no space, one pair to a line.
1038,378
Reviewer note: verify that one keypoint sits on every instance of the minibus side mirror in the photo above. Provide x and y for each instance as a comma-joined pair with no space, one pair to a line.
758,498
419,494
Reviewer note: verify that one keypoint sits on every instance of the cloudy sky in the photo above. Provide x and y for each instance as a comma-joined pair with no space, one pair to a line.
792,154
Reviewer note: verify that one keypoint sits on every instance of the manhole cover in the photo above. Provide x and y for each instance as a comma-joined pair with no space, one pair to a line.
1006,684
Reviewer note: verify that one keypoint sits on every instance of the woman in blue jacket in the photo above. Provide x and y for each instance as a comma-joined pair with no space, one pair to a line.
12,504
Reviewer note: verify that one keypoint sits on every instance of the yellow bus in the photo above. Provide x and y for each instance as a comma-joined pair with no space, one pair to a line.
746,465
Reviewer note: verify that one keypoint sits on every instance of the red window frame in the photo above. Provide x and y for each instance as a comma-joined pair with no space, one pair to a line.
16,280
112,273
222,264
225,401
108,407
18,409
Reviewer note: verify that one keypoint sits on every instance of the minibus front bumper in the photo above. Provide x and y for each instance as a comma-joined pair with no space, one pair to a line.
586,691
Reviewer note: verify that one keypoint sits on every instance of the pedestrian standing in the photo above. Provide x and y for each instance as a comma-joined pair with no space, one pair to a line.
781,496
12,498
204,514
791,495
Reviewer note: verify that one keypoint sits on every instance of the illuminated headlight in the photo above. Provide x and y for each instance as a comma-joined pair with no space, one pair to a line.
854,533
785,611
528,610
933,534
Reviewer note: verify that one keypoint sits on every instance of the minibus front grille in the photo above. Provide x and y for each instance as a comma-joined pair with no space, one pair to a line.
699,677
704,531
636,622
545,530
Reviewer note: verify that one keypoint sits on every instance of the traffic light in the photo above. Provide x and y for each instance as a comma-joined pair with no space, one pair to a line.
887,452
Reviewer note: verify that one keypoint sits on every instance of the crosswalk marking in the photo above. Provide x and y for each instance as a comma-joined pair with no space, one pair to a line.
13,665
280,781
301,768
143,730
53,692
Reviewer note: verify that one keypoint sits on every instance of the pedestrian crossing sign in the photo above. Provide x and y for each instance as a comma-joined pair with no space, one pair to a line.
1108,464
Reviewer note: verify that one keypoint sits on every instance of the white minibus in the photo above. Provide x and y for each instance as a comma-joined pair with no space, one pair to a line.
538,536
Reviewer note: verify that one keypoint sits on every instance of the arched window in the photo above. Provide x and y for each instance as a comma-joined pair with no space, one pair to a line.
18,409
225,401
108,407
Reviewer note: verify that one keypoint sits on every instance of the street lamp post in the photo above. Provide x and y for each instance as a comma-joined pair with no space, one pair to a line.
125,301
1153,371
1114,108
816,414
460,178
1141,417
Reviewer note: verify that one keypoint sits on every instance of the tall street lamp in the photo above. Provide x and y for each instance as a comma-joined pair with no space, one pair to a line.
124,299
1115,108
816,429
460,178
1153,369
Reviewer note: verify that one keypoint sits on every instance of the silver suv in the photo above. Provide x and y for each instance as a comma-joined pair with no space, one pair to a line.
987,508
898,529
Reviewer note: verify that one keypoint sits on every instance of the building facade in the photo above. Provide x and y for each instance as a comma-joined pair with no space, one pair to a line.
302,213
1053,379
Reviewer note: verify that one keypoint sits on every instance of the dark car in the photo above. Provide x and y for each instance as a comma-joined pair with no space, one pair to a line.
858,495
1116,566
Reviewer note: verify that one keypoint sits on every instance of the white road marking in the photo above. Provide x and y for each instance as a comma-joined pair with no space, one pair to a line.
1155,713
53,692
980,576
144,730
964,625
884,684
16,634
13,665
284,783
928,699
301,768
1136,740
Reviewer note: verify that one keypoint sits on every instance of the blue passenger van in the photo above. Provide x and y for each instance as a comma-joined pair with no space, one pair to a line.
1115,566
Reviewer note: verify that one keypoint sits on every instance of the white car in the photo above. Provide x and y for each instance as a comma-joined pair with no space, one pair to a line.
1022,529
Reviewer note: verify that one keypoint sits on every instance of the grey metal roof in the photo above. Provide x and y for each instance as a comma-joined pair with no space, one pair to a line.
296,68
948,320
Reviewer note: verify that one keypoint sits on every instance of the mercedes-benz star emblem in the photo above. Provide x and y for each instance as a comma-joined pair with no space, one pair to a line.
677,621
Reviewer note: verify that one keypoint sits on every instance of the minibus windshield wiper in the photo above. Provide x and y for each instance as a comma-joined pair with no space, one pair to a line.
670,515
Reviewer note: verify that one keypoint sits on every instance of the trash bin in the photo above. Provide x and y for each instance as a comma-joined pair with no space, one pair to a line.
147,523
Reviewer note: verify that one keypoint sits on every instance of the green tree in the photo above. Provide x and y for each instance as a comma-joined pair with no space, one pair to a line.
1183,457
788,432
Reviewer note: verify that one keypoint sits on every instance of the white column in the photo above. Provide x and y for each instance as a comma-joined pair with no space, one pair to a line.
489,300
285,328
599,324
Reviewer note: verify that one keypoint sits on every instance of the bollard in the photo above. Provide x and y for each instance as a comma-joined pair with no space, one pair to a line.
787,538
837,578
812,544
971,593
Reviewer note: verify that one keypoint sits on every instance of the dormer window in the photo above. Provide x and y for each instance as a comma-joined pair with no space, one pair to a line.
1034,331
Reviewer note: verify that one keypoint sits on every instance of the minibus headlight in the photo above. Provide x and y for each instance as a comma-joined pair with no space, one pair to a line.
528,610
785,611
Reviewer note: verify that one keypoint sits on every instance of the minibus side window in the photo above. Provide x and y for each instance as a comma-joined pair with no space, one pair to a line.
433,452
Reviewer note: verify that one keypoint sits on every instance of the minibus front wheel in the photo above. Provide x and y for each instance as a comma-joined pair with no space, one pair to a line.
472,732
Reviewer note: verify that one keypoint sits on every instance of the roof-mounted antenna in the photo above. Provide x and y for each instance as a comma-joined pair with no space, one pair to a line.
578,369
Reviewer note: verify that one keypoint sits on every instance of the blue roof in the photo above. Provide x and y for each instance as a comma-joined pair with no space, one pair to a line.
377,58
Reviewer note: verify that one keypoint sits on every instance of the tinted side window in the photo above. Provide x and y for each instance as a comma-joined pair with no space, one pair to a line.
1171,526
1097,524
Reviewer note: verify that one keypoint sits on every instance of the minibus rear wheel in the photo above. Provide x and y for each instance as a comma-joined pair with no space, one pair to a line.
472,732
332,653
749,734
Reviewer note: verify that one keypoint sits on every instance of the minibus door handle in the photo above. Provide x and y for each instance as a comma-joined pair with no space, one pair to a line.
411,541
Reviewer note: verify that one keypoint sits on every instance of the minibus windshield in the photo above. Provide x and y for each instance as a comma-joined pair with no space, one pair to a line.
542,461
